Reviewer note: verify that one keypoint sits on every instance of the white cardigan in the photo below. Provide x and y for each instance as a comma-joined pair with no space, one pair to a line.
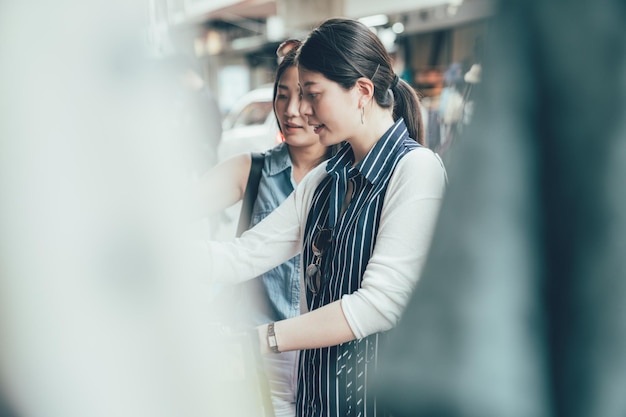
407,223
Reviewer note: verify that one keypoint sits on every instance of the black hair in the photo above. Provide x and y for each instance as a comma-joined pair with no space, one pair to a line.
344,50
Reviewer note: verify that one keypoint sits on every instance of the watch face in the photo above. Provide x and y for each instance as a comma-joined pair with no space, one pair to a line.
271,338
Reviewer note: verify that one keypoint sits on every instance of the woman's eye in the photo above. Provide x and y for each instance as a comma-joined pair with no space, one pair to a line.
311,95
281,96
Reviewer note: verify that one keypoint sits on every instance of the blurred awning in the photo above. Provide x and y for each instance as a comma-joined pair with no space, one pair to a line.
232,9
360,8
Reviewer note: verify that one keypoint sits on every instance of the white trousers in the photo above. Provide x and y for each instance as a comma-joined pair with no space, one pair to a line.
282,373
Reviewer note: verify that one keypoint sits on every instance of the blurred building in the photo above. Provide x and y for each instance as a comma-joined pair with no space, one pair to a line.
236,39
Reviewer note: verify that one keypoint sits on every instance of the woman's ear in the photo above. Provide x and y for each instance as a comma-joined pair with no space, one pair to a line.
364,87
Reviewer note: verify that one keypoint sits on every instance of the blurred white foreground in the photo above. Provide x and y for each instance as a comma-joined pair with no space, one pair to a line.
100,315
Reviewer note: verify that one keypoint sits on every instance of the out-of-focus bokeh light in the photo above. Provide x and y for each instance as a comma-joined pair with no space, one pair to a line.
398,27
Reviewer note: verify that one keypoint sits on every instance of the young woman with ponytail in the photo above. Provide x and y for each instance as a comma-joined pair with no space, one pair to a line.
362,221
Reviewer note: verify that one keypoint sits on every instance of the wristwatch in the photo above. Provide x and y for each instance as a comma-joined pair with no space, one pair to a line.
271,338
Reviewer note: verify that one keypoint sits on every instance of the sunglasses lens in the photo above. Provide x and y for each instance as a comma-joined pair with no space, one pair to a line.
311,270
314,281
317,280
322,239
285,47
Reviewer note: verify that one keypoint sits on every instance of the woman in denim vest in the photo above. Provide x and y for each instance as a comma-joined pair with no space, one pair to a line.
275,295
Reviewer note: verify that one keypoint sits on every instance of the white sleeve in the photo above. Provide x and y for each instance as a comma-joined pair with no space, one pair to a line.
276,239
407,223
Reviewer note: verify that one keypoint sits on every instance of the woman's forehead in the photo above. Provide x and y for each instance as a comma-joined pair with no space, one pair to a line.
289,75
308,78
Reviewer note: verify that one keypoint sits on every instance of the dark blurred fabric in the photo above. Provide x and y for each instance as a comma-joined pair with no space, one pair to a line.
5,411
521,309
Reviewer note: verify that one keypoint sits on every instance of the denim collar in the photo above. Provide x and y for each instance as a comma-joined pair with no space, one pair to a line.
279,159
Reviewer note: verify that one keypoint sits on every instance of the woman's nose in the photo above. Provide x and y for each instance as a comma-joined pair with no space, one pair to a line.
293,107
305,108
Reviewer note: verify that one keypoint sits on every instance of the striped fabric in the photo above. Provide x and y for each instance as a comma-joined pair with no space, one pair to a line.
333,380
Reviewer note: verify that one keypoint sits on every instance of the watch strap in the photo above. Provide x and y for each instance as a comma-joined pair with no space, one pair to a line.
271,338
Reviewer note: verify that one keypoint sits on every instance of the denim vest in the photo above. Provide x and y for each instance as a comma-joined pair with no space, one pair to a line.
280,287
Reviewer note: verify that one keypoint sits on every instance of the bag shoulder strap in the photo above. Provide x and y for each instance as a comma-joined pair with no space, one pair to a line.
252,188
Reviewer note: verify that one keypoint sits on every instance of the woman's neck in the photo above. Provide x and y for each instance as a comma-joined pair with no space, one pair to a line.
376,122
305,158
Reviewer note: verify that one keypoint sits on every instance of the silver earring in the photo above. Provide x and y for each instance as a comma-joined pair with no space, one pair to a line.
362,113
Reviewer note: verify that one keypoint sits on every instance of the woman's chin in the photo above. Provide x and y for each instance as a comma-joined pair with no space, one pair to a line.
299,138
327,139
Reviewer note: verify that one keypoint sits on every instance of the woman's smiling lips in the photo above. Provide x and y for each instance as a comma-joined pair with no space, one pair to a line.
290,127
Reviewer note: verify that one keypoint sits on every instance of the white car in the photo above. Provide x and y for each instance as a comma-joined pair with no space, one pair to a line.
250,125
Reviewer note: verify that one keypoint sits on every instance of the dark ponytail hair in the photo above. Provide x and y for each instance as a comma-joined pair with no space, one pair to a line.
344,50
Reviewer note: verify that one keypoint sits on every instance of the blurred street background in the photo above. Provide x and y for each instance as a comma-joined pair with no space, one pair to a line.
437,47
434,44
